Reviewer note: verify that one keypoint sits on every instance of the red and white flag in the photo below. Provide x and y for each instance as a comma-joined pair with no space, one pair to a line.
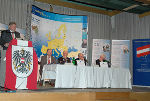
21,66
142,51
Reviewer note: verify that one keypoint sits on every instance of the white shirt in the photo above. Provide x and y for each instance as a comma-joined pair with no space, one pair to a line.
104,64
80,63
12,33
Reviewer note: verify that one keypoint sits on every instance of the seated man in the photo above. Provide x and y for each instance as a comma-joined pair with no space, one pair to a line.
102,59
64,59
47,59
80,61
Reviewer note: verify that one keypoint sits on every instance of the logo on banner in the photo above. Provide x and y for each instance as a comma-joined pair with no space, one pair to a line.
22,61
143,51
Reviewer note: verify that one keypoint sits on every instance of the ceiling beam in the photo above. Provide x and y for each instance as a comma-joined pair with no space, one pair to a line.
114,12
144,14
79,7
130,7
144,1
75,6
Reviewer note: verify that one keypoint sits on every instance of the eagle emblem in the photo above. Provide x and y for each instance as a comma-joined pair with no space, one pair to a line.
22,61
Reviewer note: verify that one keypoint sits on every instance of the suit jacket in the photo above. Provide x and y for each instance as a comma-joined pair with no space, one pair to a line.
98,62
44,62
85,61
6,37
0,41
62,60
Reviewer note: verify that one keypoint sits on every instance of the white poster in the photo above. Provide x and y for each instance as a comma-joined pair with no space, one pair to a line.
120,53
100,46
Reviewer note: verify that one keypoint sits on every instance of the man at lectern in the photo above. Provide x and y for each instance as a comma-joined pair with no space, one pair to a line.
102,59
8,35
80,61
0,43
64,59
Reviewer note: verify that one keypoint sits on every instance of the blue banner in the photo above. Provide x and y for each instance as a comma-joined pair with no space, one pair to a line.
59,17
141,62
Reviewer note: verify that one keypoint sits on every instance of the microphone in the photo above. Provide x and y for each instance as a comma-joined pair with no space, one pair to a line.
105,60
85,59
12,32
108,62
1,30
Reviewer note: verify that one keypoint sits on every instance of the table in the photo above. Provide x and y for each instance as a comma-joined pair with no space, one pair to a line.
49,72
69,76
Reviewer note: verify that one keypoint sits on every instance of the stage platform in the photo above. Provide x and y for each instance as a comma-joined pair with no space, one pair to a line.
46,93
48,88
49,93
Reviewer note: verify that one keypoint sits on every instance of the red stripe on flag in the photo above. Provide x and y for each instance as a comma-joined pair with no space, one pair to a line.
32,78
10,77
29,43
13,42
143,54
143,47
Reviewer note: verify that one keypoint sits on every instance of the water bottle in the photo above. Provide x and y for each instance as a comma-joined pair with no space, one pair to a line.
73,60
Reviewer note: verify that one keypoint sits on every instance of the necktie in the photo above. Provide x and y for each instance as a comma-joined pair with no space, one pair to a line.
49,61
13,35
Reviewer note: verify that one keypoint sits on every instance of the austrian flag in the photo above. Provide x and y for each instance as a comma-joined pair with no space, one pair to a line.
21,66
142,51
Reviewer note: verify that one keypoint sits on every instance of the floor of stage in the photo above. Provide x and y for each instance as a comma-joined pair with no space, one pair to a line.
47,92
81,90
48,88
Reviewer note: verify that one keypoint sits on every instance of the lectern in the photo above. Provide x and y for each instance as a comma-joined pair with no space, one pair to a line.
21,65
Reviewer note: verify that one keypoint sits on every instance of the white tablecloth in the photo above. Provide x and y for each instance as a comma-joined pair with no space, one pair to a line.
69,76
121,78
65,76
49,72
84,77
102,77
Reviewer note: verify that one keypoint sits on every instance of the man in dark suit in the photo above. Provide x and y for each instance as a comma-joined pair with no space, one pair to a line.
0,43
8,35
64,59
80,61
102,59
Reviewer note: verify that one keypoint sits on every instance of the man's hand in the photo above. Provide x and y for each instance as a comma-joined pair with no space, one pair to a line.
6,44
